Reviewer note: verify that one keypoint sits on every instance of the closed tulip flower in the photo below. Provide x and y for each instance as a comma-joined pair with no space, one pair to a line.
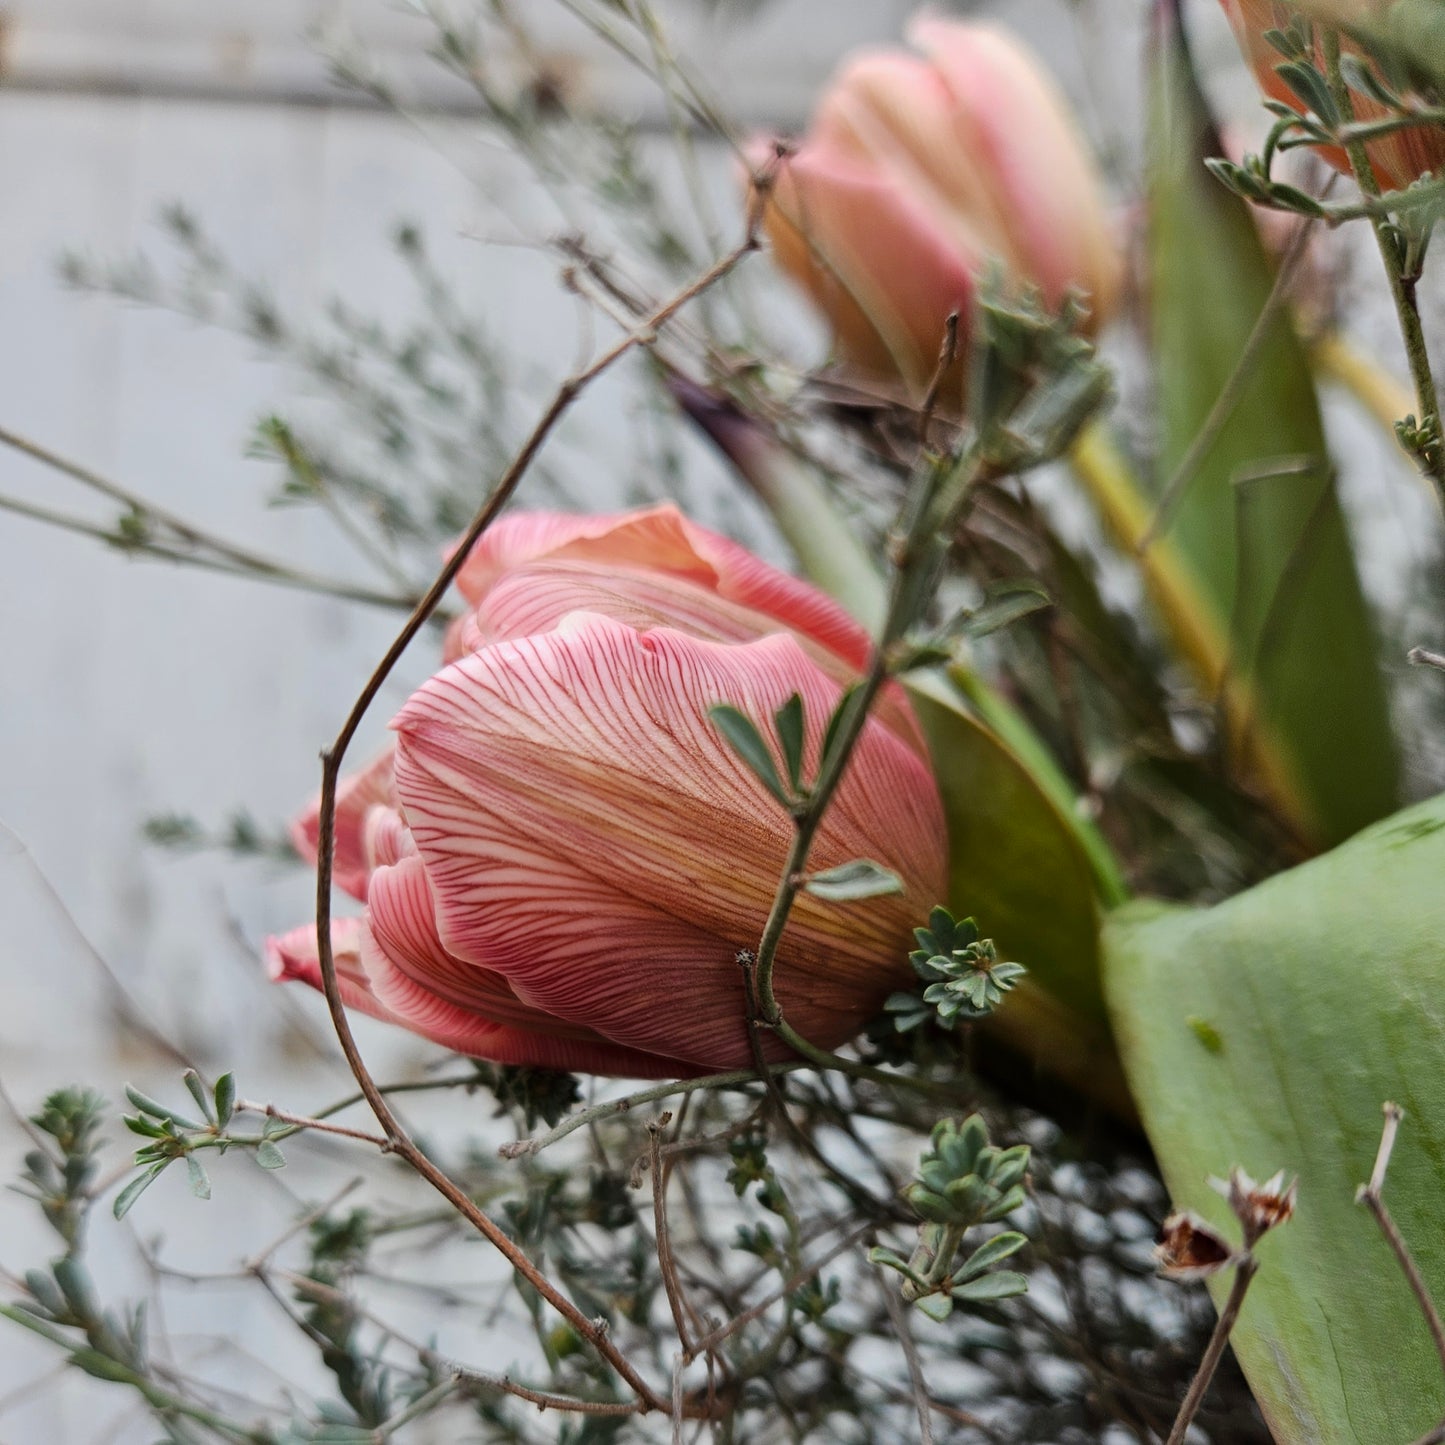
561,857
919,171
1398,158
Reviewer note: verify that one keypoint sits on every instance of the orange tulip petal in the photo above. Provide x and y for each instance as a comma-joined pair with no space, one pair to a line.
660,541
536,598
852,234
1017,124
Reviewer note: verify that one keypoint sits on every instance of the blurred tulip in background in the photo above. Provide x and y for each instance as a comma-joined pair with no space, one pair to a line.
919,172
1397,158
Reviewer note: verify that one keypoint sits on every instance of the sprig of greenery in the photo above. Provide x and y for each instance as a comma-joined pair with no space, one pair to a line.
966,980
963,1181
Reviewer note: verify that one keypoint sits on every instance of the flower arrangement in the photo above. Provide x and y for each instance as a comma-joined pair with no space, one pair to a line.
960,923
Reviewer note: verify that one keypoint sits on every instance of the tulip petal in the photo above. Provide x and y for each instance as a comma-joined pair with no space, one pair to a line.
660,541
587,834
896,115
1018,126
385,839
294,956
356,795
536,598
466,1007
874,257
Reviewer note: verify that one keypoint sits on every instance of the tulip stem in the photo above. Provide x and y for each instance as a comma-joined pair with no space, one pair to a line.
1425,440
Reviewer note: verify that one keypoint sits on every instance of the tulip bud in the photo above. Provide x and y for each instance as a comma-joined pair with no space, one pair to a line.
563,856
1398,158
919,173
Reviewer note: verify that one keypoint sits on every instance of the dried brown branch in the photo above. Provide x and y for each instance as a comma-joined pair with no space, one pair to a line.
710,1342
671,1285
898,1316
593,1331
1244,1271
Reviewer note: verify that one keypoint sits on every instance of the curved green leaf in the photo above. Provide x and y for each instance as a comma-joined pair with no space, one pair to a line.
1017,865
1267,1032
1254,521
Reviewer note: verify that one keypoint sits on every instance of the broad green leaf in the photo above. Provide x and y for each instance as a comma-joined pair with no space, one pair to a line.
1267,1032
1016,864
1256,527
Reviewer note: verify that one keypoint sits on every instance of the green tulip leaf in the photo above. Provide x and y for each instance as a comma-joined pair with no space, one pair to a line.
1017,865
1267,1032
1247,502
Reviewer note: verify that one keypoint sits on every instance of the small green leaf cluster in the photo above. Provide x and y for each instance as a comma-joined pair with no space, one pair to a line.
545,1094
849,882
1034,379
963,1181
174,1135
750,1166
745,738
61,1185
965,978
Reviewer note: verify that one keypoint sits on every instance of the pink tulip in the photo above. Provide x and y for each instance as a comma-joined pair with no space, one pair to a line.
1398,158
562,858
920,171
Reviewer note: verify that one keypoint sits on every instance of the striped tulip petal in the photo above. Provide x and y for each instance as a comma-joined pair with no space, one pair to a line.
294,956
587,834
660,542
537,597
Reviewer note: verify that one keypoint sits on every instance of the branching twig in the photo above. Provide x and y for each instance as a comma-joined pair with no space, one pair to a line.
1371,1195
610,1107
899,1319
1430,453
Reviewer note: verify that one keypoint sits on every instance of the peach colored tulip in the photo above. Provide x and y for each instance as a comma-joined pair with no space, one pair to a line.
1398,158
921,170
561,858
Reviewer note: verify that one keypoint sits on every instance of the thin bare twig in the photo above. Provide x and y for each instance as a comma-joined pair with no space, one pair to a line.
303,1121
710,1342
543,1399
278,574
947,353
1372,1196
609,1107
898,1316
671,1285
1244,1271
594,1332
